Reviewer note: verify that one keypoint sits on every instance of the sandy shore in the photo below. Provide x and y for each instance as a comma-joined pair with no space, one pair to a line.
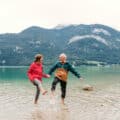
16,103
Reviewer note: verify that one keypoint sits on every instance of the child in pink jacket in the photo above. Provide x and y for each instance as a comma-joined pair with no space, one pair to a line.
35,74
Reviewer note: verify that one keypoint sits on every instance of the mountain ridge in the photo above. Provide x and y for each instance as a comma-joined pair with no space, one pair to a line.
81,43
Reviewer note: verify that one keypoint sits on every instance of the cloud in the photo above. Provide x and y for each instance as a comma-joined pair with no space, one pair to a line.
16,15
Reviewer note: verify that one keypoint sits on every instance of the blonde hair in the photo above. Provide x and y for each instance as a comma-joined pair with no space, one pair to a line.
38,57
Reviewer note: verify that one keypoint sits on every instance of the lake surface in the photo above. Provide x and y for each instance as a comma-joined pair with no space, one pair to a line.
92,75
17,95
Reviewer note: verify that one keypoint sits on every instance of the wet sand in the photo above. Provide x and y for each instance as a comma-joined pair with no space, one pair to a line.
103,103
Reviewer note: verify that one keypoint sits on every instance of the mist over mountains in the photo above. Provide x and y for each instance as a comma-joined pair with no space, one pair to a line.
81,43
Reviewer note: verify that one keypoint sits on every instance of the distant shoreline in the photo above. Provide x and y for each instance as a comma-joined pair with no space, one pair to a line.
22,66
13,66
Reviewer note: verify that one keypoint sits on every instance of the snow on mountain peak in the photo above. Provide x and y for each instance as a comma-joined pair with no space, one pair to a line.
78,38
61,26
97,31
118,40
18,49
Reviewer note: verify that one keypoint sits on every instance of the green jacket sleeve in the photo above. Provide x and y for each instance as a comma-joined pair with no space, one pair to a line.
52,69
71,69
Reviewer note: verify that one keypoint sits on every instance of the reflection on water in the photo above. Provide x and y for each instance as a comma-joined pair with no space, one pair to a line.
17,96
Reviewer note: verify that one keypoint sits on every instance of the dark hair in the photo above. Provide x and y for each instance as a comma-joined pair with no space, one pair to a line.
38,57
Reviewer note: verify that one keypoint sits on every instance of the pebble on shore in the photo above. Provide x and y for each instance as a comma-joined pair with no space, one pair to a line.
87,88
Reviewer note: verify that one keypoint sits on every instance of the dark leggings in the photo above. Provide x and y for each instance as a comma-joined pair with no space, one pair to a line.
62,84
37,91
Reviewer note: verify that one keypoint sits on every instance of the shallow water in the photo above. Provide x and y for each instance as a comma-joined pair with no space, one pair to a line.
103,103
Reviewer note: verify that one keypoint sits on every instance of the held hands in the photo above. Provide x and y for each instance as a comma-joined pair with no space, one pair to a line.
81,79
48,76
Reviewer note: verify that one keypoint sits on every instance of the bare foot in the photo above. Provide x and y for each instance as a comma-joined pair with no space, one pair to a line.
62,102
44,92
52,94
64,106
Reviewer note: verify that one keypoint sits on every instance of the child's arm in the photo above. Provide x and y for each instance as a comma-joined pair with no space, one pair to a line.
45,75
52,69
74,71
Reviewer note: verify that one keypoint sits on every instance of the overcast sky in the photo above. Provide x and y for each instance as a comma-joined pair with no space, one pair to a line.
16,15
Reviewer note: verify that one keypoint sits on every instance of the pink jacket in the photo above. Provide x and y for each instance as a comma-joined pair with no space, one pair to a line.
36,71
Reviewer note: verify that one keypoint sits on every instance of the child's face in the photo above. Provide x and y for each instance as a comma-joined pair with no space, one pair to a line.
41,60
62,59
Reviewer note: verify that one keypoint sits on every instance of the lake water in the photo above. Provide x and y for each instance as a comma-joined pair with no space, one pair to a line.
17,95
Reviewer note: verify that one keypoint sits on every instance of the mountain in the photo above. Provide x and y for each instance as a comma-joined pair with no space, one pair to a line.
81,43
